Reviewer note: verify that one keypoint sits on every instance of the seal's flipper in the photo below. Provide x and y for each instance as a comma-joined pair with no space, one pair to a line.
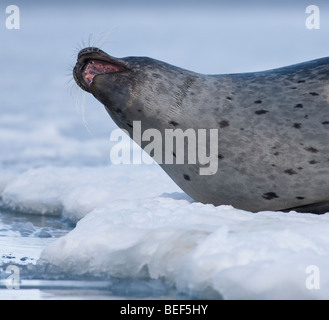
317,208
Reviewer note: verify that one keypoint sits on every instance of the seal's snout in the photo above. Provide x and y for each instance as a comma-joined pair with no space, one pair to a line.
92,62
87,51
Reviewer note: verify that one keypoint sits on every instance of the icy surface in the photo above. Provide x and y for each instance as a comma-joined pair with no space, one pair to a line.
133,222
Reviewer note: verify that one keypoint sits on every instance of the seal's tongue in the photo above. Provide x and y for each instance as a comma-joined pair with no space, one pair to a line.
95,67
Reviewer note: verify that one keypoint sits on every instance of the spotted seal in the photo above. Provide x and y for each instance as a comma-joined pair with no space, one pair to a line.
273,126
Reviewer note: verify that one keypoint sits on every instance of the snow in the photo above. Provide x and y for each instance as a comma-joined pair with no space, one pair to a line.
132,220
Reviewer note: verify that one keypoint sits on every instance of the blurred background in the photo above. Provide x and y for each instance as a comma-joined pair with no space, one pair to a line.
43,114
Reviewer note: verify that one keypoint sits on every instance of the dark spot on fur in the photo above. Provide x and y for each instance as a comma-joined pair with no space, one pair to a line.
174,123
297,125
312,150
290,171
273,165
187,177
139,110
241,129
258,101
261,112
298,106
306,116
325,122
300,198
314,94
301,81
300,168
313,162
220,157
270,195
293,88
224,124
276,153
229,98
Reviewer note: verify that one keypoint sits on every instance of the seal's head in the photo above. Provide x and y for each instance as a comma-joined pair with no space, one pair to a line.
107,78
92,62
131,88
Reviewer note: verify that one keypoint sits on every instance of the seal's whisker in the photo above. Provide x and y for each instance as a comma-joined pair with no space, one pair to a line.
83,104
69,71
83,43
90,40
70,82
71,87
102,38
79,98
77,48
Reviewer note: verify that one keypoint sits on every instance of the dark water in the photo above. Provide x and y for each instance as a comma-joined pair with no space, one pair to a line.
22,239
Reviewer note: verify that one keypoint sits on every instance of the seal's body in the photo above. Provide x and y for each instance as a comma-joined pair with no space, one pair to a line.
273,126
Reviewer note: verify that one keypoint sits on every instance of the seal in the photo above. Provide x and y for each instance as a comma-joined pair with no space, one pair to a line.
273,126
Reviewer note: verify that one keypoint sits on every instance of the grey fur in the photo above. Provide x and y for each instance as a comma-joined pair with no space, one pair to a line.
273,127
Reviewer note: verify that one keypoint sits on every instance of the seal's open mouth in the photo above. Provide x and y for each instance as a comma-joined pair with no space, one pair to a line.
92,62
95,67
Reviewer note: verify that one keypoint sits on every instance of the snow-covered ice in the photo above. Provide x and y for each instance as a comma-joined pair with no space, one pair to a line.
132,221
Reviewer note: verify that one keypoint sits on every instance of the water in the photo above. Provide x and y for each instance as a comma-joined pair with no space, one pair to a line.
24,237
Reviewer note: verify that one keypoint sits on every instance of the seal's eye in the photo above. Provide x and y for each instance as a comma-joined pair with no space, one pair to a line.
95,67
